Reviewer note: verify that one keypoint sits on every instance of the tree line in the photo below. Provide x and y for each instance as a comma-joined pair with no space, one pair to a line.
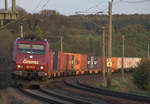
81,33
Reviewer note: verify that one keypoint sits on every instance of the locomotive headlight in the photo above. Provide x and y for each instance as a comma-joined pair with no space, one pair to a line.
20,66
41,67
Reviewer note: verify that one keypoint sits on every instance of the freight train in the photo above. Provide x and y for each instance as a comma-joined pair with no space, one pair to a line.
33,60
62,64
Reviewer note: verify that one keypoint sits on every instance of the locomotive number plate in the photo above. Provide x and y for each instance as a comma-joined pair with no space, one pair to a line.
30,67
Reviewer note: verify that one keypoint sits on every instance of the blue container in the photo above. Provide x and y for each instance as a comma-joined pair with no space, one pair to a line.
95,62
55,61
88,62
72,62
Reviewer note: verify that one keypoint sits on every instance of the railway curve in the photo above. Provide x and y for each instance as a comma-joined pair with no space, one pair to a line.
73,90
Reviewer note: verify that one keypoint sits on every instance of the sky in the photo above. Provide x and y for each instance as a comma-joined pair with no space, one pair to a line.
70,7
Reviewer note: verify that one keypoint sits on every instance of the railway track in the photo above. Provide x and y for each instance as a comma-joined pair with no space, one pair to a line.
34,94
51,97
134,97
63,89
82,86
66,98
73,90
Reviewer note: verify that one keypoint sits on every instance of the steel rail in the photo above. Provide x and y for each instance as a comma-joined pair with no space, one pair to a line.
50,101
52,94
66,98
134,97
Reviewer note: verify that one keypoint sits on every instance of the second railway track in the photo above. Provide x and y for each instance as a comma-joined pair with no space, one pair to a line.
80,84
51,97
73,90
63,89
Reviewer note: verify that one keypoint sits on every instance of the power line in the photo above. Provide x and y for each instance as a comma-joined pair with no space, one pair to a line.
37,6
87,10
95,6
105,10
45,4
114,4
139,1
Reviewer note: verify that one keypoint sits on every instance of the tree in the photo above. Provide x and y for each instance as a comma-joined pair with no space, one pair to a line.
38,32
141,76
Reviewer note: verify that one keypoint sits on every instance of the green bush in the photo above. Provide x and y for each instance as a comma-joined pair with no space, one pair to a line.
141,75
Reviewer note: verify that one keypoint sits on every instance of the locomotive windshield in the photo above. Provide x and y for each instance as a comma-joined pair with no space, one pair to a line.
31,48
38,49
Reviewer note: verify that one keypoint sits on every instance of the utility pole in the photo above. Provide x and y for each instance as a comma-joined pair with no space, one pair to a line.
2,22
21,30
61,39
103,52
122,71
148,51
109,44
7,15
6,5
14,6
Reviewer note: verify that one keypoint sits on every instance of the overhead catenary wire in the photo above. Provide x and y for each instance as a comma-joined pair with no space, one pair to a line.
88,9
105,10
95,6
45,4
37,6
137,1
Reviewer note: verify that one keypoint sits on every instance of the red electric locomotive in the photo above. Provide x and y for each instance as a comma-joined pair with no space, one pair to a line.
31,59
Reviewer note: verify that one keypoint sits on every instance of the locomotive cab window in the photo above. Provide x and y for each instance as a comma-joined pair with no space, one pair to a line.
24,48
31,49
38,49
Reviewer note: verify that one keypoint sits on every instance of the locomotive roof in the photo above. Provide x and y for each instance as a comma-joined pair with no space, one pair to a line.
23,39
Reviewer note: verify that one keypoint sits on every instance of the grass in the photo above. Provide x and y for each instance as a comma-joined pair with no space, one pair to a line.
4,97
123,85
1,100
5,77
5,82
